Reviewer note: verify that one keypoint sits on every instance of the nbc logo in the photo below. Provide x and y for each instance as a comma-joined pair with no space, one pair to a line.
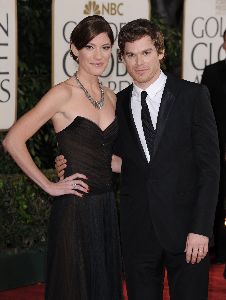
92,8
109,8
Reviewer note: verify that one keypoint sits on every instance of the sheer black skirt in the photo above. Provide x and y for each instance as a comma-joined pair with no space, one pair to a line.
84,261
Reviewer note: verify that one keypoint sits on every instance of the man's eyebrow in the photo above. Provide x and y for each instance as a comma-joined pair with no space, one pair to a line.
148,49
131,52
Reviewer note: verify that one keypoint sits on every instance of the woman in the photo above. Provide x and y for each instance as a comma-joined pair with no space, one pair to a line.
83,249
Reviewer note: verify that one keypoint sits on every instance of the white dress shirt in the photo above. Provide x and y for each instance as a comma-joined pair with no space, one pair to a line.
154,91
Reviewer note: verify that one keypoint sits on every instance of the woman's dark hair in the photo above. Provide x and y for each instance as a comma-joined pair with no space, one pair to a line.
87,29
224,34
137,29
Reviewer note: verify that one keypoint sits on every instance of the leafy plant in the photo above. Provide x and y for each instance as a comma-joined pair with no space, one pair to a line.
173,44
24,213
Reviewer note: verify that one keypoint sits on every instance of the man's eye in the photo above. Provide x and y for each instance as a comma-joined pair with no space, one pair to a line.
130,54
147,53
107,47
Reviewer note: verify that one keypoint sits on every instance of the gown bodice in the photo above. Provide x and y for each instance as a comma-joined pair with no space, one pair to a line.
88,150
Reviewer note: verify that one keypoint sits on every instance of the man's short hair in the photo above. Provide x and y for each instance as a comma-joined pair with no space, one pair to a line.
137,29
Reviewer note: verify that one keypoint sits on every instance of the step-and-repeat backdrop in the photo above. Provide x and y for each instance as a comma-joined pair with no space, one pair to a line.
204,24
67,13
8,62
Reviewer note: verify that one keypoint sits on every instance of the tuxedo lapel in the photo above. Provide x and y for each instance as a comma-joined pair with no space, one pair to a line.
167,101
166,105
130,121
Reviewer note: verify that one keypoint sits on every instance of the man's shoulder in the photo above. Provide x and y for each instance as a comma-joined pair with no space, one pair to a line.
215,65
178,84
125,91
124,96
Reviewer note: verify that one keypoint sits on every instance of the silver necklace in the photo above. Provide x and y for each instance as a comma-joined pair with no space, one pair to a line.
97,104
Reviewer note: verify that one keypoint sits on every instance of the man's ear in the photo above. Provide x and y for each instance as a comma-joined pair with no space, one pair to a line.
161,55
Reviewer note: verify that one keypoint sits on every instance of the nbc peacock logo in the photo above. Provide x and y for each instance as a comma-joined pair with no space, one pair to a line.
91,8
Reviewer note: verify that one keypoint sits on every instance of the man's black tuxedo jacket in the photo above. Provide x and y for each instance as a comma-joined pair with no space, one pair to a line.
179,187
214,77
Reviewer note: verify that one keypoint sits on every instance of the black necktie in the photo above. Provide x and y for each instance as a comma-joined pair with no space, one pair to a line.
149,131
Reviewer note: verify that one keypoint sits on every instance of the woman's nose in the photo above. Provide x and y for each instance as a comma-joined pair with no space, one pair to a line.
98,54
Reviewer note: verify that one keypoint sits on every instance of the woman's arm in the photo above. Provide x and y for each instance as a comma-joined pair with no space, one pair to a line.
26,127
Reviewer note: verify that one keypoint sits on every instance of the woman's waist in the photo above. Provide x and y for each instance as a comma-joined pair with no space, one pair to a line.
96,187
97,181
94,174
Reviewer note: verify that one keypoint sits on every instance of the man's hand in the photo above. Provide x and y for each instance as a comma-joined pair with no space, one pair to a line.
60,165
116,164
196,247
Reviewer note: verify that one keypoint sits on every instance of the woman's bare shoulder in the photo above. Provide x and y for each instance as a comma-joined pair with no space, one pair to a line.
61,92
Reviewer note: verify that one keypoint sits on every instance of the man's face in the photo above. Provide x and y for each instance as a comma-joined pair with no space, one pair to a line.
142,61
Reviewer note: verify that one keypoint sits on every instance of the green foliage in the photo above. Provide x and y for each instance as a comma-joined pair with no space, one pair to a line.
24,213
173,44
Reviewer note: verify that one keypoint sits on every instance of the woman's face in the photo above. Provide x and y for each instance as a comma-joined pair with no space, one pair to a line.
94,57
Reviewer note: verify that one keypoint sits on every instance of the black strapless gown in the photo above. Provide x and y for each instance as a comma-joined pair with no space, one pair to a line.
84,261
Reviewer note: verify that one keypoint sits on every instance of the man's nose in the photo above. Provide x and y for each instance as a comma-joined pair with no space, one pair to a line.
139,60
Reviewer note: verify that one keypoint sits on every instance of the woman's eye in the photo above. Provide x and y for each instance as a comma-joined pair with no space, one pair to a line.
89,47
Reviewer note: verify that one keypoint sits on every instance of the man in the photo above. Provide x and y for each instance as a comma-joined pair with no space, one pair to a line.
170,170
214,77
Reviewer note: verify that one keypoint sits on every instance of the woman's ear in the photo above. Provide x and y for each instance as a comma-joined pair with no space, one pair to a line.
74,50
